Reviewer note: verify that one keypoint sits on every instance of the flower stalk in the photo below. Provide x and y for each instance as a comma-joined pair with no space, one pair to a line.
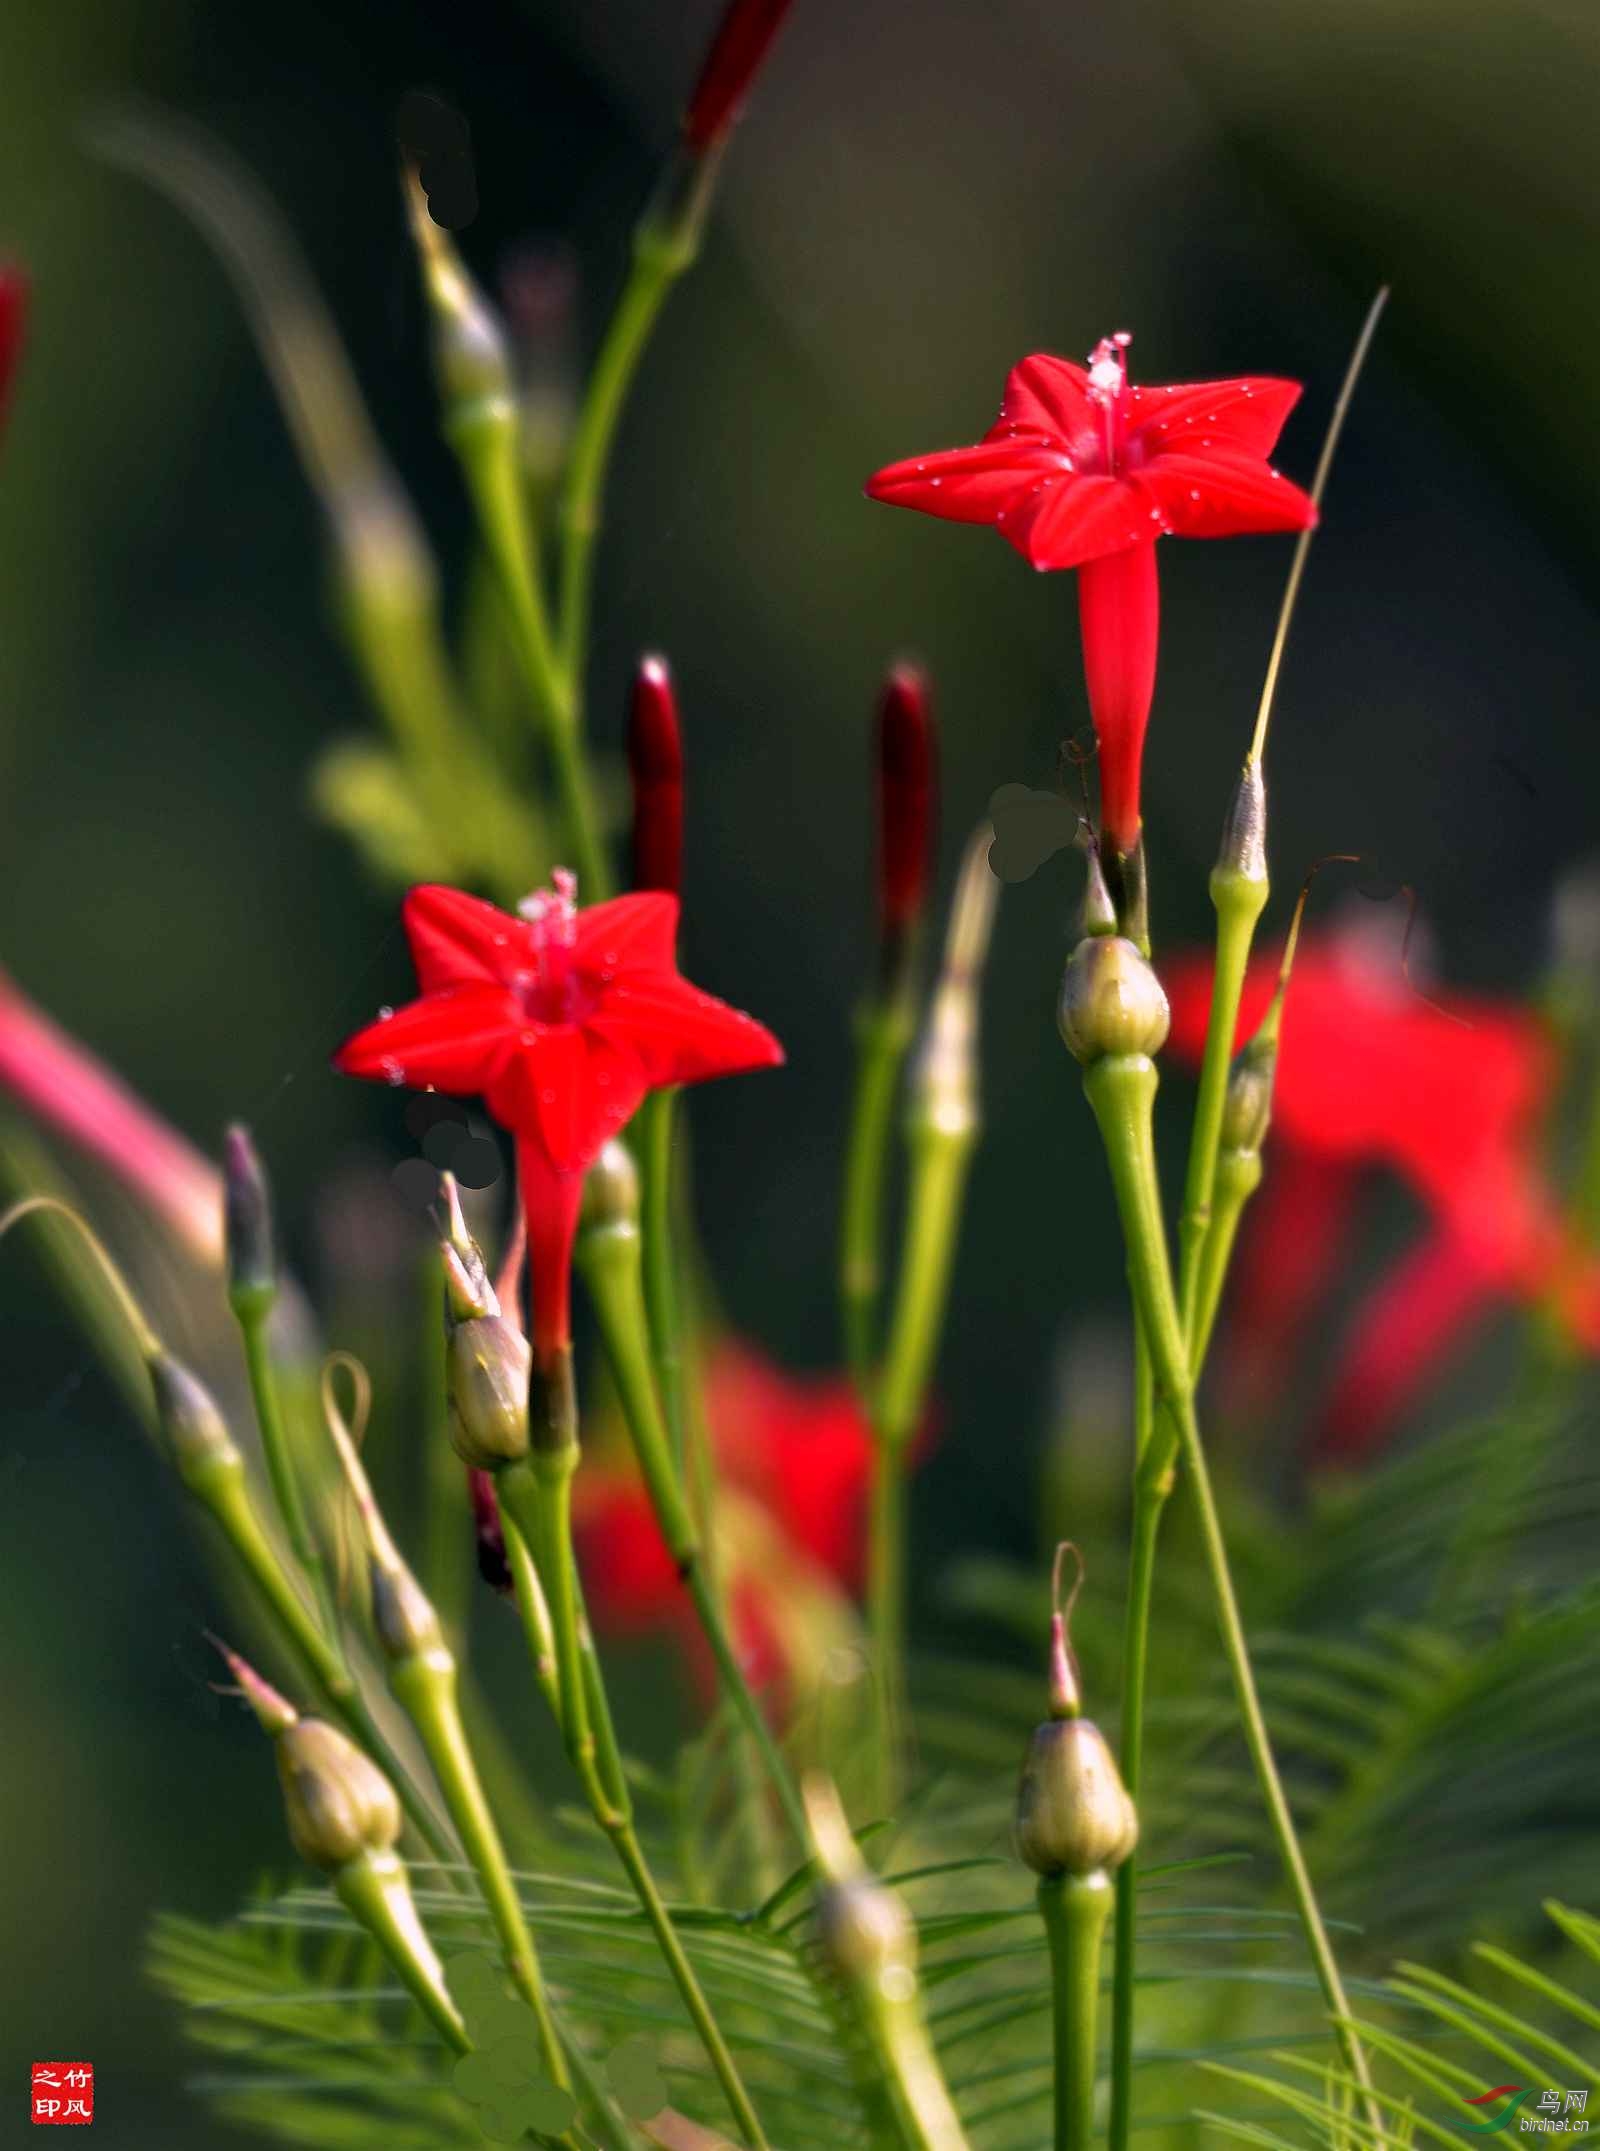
905,755
1121,1088
609,1254
942,1128
423,1679
344,1818
870,1943
252,1295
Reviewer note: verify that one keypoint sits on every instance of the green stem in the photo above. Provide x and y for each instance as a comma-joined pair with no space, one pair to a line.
528,1594
536,1495
688,1985
220,1488
1238,1176
1121,1090
373,1889
1074,1908
425,1685
487,441
659,259
941,1145
751,1715
1149,1504
1239,899
253,1320
609,1256
886,1612
883,1036
445,1565
656,1128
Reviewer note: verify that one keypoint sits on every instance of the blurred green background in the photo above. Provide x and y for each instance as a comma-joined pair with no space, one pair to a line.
922,193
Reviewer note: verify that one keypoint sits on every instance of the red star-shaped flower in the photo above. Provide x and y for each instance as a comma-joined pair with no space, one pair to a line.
1084,470
560,1020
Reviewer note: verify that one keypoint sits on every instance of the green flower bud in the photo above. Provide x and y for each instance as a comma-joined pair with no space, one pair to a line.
191,1423
866,1935
402,1613
1072,1812
486,1363
247,1211
339,1804
471,354
1243,853
1111,1001
611,1191
1247,1112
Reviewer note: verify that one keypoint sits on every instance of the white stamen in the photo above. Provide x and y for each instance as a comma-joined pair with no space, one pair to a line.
1108,365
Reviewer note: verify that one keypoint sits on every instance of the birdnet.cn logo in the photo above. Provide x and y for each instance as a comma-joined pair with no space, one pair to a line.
1557,2113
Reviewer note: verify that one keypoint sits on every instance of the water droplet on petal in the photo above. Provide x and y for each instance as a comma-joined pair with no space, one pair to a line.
385,1013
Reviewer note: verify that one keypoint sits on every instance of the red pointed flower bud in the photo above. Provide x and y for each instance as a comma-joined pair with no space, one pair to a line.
1083,470
907,755
655,764
489,1534
741,44
13,314
77,1097
561,1020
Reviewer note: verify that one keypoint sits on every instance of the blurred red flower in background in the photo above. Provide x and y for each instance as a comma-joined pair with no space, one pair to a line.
1449,1095
13,317
1084,470
794,1459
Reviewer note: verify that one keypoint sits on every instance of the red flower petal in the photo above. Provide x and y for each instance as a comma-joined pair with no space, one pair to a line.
1404,1331
1049,395
458,940
1221,493
1247,415
453,1041
970,485
682,1035
1063,521
627,934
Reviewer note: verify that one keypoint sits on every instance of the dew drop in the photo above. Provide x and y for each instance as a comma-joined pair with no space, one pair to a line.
1194,492
385,1013
527,1038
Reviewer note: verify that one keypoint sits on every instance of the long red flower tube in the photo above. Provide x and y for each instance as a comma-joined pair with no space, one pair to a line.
1085,470
560,1020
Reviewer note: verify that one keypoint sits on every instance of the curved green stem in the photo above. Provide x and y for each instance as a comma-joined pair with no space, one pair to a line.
1239,899
1121,1090
1074,1908
883,1037
688,1985
1238,1176
610,1259
1149,1503
221,1489
536,1494
252,1318
425,1685
941,1149
373,1889
659,259
656,1123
